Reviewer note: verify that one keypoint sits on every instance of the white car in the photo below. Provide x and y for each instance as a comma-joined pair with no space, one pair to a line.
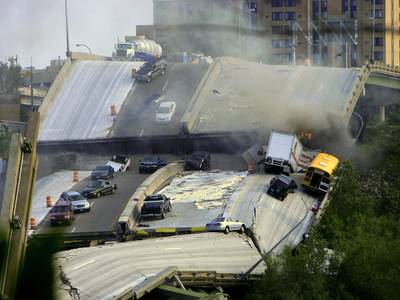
225,224
119,163
165,112
78,202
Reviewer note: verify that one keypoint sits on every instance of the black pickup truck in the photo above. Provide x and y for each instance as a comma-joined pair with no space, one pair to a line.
156,206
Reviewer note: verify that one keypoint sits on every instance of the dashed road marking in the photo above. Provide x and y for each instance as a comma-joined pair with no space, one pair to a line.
84,264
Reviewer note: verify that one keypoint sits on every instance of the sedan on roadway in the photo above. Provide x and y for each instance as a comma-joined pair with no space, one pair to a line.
225,224
99,188
151,164
78,202
102,172
165,112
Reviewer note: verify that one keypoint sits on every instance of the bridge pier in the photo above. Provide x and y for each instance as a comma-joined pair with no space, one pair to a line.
382,113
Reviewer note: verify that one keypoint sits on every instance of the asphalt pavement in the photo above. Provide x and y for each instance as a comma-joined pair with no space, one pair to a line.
137,118
103,272
105,210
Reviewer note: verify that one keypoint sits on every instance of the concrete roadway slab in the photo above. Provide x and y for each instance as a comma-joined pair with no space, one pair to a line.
105,210
81,109
137,118
270,218
196,199
244,95
101,272
52,185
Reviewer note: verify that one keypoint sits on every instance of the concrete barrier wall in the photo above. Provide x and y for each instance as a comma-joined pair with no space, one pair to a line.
86,56
54,89
152,184
196,102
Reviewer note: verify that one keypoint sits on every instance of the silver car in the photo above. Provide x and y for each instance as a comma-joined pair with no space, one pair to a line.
225,224
79,203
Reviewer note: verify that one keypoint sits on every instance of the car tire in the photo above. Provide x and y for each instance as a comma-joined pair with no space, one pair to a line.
226,231
242,229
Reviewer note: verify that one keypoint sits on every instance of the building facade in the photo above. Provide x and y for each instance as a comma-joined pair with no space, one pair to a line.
320,32
342,32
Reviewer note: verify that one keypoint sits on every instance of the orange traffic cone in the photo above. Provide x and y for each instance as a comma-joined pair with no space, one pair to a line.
76,176
251,168
33,223
49,201
113,110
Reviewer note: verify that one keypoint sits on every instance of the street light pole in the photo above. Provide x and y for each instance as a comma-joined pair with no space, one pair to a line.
31,81
86,46
66,28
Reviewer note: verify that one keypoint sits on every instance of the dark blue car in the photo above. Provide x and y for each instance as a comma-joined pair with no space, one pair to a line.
151,164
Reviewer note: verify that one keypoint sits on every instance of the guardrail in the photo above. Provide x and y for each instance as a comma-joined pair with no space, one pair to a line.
385,69
73,240
358,88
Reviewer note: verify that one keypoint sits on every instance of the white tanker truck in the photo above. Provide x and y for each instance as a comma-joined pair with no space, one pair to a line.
137,48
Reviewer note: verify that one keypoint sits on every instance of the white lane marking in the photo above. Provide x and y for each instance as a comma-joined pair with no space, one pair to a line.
165,85
141,132
172,249
84,264
73,229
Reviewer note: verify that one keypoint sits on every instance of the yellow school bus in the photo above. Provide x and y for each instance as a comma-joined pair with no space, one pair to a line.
319,174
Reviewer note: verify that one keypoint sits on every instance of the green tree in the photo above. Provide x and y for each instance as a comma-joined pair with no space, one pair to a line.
10,77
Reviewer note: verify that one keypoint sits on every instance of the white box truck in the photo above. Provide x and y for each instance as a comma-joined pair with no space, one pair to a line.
284,151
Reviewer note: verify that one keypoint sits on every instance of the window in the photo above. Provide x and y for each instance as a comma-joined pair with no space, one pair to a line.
290,3
277,3
290,16
277,16
315,9
378,14
277,43
345,7
378,41
353,9
378,55
324,9
377,2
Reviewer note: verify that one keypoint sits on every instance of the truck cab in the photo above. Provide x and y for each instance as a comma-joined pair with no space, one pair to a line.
283,153
156,206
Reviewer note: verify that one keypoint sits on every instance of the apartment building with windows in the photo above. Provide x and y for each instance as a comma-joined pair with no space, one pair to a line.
319,32
331,32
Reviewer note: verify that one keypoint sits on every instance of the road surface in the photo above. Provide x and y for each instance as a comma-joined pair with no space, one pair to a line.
101,272
138,118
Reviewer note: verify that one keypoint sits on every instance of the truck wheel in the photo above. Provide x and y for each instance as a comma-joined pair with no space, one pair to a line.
226,230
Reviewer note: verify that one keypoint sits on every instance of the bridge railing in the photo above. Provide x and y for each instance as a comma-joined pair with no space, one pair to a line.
385,69
358,88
